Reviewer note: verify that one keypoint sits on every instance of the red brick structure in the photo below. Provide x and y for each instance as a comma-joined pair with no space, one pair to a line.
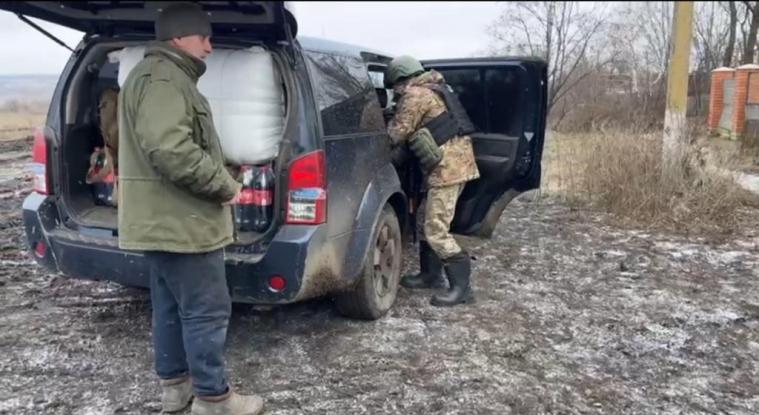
745,81
742,76
716,95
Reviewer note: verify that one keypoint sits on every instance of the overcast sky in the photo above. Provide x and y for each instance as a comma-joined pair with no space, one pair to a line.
424,29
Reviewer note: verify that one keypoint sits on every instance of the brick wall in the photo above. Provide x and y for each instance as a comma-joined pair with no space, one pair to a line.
742,76
746,93
716,95
753,88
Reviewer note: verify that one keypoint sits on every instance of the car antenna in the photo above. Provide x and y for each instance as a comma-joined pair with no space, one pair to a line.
43,31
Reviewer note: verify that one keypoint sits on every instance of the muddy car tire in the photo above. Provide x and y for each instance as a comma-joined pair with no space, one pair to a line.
377,286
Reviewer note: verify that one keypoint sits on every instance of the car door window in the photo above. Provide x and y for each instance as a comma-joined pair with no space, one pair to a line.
503,117
467,84
489,96
377,76
345,94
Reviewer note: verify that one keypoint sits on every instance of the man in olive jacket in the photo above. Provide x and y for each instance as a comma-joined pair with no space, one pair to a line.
175,195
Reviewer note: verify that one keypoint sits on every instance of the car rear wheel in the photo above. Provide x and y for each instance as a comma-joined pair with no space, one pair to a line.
377,287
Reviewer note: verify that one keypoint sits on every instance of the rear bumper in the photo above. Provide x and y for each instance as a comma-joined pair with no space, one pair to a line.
89,255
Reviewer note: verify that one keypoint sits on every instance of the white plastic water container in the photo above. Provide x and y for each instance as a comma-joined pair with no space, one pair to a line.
247,101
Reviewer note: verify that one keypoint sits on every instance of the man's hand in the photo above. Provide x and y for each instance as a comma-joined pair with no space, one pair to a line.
234,200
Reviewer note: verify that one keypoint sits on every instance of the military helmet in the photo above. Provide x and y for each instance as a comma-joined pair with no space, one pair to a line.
400,68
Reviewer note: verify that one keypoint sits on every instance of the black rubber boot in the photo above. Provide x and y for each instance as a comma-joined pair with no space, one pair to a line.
458,269
431,270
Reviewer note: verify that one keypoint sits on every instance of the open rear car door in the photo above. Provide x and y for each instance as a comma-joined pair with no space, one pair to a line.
506,100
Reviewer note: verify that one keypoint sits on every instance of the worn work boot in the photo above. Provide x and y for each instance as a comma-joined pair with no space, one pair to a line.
430,270
177,394
458,269
229,404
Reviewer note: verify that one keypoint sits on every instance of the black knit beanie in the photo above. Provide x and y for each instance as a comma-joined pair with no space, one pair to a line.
182,19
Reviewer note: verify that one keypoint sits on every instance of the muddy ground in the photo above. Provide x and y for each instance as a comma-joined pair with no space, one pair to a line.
573,316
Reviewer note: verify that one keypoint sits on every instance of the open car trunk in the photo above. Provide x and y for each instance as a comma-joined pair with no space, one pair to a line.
110,26
270,20
232,84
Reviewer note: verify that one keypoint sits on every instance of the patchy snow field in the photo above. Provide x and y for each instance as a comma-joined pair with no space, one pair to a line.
573,316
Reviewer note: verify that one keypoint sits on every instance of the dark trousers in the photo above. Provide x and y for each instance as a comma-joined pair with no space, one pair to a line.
191,309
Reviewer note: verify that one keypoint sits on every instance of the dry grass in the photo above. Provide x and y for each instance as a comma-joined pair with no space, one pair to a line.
623,174
741,153
19,121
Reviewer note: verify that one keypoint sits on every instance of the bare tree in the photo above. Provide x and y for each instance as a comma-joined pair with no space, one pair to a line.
711,34
653,23
618,54
562,33
727,59
624,37
643,31
749,28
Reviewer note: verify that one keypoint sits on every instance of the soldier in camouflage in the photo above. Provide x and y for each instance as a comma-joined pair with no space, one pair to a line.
419,105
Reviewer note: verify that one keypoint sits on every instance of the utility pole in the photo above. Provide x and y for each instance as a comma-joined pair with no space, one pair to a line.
675,125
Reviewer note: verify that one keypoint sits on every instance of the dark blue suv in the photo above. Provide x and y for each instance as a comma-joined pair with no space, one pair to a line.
335,161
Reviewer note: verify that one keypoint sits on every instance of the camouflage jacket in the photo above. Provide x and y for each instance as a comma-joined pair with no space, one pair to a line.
417,106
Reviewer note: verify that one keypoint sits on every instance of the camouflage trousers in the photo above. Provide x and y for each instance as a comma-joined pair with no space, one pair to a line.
433,220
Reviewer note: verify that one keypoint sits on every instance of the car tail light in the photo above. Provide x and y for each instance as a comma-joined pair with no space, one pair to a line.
39,166
307,190
277,283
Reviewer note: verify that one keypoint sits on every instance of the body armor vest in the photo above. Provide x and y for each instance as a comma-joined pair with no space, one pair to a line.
453,122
